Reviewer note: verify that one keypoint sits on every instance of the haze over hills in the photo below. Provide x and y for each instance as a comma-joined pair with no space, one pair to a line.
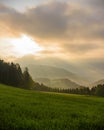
50,72
89,71
58,83
97,83
51,68
55,68
55,77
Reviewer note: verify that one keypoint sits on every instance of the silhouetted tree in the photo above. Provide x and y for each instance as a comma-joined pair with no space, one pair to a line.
28,82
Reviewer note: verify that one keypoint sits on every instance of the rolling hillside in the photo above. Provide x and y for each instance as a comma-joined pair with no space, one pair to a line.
50,72
97,83
26,109
58,83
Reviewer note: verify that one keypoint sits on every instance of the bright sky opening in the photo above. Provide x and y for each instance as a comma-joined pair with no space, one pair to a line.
25,45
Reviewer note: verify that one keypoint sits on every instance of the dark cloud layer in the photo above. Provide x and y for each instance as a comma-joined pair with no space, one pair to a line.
55,21
59,23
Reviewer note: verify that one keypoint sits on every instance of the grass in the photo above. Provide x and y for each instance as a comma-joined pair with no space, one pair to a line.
29,110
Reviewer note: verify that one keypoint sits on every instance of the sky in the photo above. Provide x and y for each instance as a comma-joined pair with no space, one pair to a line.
70,30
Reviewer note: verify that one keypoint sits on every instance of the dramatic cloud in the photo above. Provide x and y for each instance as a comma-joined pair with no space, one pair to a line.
75,27
55,21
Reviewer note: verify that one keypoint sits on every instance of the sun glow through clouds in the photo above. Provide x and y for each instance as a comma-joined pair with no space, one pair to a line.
25,45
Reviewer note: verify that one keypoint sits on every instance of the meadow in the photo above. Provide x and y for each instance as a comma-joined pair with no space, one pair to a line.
30,110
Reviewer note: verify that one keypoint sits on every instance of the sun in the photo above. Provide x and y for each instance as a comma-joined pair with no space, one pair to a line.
25,45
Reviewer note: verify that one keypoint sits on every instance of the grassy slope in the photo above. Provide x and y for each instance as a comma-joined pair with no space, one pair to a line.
24,109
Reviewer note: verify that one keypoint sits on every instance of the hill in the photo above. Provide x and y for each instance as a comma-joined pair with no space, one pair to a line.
86,76
51,72
25,109
97,83
58,83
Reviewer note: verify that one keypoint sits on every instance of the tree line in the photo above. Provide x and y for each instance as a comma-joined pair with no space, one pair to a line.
96,91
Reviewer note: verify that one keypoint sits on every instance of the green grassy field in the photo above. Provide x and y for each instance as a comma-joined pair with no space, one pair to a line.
29,110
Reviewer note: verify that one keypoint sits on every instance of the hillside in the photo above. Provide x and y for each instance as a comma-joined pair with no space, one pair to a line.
25,109
51,72
86,73
58,83
97,83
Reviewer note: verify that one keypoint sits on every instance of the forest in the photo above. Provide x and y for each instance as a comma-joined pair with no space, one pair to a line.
12,74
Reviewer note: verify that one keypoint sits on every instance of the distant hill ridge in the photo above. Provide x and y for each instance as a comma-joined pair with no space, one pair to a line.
97,83
51,75
58,83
